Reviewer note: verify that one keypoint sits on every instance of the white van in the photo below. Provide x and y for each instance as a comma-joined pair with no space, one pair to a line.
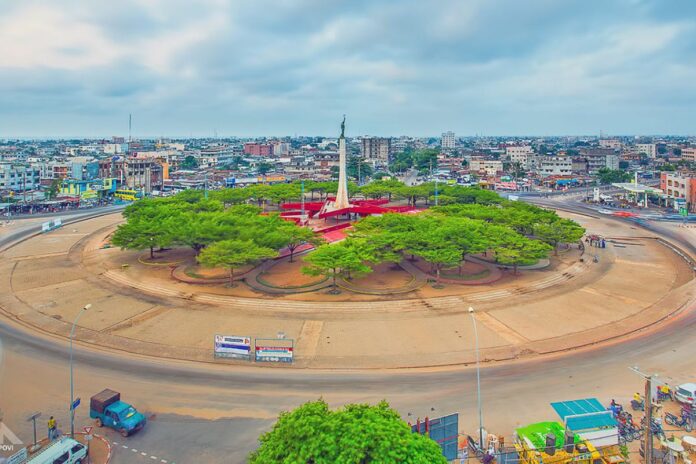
686,393
62,451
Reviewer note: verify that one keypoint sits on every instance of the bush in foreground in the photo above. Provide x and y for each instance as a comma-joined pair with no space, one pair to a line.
354,434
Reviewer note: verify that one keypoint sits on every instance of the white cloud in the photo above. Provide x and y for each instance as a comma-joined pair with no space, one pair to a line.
35,37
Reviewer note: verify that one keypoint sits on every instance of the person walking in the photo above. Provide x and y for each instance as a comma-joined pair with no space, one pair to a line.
51,428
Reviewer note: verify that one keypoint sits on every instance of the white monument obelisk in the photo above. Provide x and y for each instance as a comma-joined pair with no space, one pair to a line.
342,193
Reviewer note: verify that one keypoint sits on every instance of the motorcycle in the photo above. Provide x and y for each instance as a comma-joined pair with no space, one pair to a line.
655,428
638,405
683,421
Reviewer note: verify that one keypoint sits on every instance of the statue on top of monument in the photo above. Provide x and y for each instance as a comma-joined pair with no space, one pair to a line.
343,127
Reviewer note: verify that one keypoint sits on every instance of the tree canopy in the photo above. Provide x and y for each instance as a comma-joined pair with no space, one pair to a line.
356,433
471,221
232,254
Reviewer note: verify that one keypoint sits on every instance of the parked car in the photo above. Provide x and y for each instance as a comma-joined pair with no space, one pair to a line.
107,409
686,393
65,450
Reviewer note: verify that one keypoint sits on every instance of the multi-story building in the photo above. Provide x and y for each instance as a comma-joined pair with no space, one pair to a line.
280,148
689,154
376,150
649,149
614,144
448,141
555,166
258,149
599,158
143,173
489,167
680,187
520,155
19,177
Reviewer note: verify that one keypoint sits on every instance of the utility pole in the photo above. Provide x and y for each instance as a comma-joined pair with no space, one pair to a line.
648,438
478,378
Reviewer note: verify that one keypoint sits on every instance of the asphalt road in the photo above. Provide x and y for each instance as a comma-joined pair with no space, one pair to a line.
215,413
68,217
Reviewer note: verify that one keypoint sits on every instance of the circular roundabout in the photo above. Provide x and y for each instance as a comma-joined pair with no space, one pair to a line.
393,318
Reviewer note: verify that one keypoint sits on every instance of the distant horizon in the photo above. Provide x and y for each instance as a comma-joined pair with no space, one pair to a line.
136,138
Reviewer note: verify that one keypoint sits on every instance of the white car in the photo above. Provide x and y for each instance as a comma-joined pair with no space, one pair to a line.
686,393
62,451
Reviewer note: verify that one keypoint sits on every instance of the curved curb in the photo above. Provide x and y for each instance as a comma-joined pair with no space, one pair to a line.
165,264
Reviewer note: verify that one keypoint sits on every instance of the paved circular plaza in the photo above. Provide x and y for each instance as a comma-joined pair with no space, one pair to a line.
390,319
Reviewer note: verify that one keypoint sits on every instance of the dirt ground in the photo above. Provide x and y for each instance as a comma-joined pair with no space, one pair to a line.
384,276
46,280
287,274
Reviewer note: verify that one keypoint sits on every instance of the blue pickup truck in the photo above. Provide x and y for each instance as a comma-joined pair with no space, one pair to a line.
107,409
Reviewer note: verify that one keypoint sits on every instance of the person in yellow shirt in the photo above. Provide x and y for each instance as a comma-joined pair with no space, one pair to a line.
51,428
638,397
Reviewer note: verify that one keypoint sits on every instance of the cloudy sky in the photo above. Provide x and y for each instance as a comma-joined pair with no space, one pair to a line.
419,67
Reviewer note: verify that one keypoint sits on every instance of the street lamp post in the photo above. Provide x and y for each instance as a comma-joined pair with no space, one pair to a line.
72,392
478,377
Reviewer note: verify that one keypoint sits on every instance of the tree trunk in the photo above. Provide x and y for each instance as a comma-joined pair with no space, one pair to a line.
514,267
333,288
292,252
437,274
231,277
152,252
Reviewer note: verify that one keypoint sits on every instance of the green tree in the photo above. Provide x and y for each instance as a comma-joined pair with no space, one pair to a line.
296,236
232,254
520,251
198,230
356,433
611,176
264,168
434,245
190,162
143,233
334,261
560,231
365,169
53,189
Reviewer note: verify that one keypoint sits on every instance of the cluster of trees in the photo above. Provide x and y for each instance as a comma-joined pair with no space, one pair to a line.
391,189
516,233
610,176
228,230
222,236
422,160
357,433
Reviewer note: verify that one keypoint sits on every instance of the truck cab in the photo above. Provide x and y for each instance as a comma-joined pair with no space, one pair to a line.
107,409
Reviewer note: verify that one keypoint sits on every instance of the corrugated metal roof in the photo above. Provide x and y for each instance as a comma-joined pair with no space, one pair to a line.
584,414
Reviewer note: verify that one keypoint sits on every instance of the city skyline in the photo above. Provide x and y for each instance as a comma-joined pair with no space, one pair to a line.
244,70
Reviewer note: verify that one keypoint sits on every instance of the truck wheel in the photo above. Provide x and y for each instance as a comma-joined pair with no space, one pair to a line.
124,433
98,422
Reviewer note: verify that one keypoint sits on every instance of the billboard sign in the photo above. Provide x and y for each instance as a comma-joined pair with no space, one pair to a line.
274,350
232,346
50,225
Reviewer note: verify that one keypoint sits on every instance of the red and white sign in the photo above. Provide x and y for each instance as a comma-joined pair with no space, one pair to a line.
88,430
